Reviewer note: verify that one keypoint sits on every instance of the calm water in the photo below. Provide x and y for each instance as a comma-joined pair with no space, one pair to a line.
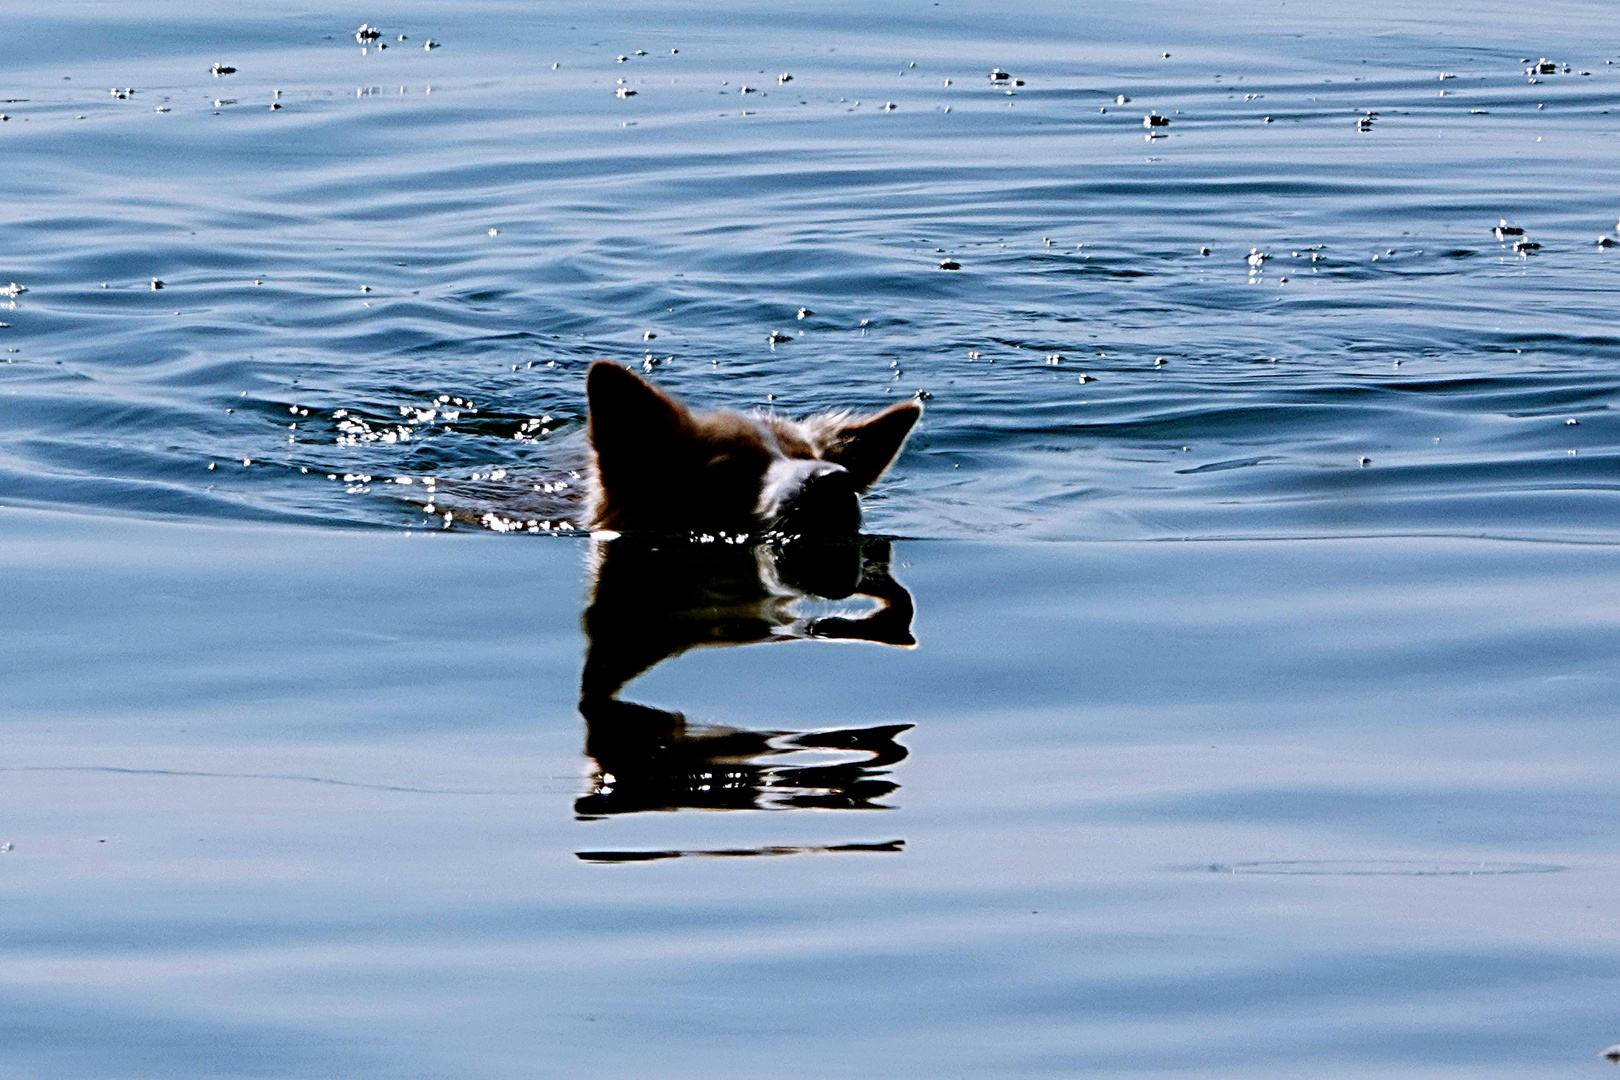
297,783
305,803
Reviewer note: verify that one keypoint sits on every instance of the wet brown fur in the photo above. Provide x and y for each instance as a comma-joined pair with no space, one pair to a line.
659,466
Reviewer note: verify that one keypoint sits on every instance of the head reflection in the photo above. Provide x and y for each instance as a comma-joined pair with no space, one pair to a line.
657,598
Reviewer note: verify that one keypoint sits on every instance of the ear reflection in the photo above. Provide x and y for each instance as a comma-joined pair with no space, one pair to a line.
654,599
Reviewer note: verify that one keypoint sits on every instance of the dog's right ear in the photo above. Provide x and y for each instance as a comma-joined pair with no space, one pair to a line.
631,420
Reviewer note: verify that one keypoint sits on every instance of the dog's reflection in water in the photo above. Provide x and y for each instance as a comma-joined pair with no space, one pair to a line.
654,599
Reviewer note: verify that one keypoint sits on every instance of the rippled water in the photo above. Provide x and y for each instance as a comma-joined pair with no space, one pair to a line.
337,253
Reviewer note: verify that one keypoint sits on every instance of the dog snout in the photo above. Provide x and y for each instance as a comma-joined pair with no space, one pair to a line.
820,499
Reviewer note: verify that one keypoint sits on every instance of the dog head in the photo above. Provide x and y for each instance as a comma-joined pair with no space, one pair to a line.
661,467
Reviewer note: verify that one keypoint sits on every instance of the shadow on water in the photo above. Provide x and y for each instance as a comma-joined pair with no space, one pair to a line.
656,598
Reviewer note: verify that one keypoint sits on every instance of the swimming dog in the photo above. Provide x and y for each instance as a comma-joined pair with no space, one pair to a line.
661,467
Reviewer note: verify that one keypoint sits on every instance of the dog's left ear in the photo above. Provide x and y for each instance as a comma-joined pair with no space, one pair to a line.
866,447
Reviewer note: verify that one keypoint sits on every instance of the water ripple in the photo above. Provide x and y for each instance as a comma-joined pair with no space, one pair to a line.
469,221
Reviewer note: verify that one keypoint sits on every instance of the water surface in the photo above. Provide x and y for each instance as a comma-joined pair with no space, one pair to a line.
290,802
300,780
336,254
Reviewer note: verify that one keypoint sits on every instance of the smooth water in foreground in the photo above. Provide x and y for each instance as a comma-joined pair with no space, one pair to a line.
299,803
300,780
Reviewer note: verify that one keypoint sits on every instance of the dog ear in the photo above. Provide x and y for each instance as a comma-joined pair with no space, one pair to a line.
866,447
630,418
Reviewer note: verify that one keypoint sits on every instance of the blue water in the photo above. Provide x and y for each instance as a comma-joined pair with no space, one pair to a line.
299,780
1388,323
